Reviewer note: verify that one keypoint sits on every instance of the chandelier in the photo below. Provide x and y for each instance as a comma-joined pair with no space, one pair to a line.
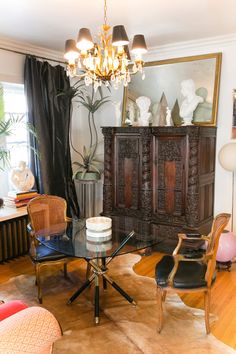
106,61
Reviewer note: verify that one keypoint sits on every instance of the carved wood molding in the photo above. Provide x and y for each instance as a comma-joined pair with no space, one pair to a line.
108,188
146,183
192,202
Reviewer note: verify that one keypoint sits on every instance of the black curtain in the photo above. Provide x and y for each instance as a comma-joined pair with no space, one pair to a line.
50,116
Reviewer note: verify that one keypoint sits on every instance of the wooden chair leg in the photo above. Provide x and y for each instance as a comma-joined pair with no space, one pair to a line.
160,309
35,283
207,300
37,269
164,292
65,270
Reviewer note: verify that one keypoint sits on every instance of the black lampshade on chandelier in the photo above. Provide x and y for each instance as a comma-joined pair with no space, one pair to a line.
108,60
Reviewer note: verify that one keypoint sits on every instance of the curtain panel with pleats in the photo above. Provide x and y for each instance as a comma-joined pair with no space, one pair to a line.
50,116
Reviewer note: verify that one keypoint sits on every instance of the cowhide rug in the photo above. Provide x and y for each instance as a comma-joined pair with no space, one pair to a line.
123,328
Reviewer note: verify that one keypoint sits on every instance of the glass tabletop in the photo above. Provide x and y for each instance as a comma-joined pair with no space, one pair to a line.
73,239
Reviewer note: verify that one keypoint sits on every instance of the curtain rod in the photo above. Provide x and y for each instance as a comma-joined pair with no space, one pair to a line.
33,55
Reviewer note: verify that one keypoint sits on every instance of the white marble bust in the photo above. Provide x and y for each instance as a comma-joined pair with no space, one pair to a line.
143,104
190,102
22,178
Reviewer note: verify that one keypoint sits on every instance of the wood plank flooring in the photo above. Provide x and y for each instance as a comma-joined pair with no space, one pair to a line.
223,303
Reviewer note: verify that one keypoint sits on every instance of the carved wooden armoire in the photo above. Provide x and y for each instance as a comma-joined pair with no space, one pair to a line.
161,176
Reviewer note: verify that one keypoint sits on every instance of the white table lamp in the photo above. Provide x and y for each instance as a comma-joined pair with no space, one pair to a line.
227,159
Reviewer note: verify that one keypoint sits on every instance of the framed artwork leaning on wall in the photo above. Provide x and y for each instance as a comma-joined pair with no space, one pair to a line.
171,85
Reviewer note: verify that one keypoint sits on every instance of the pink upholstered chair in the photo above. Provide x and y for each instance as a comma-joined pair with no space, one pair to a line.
28,330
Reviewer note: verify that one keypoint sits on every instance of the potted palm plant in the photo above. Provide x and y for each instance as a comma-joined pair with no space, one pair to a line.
88,166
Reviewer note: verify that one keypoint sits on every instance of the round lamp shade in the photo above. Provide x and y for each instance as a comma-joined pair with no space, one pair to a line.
71,52
84,41
227,247
227,157
119,36
139,45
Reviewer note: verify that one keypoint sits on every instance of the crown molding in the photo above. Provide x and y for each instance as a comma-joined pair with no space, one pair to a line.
203,44
27,48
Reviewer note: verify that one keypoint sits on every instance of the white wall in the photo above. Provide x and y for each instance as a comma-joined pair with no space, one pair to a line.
226,45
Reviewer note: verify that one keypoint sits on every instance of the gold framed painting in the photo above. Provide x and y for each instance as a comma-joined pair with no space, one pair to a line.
163,85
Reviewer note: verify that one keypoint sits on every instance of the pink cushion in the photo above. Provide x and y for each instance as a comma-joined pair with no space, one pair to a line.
31,331
10,308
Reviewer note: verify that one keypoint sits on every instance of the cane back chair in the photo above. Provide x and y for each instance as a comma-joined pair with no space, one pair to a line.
47,213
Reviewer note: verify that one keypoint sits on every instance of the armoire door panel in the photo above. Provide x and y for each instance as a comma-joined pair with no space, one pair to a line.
207,201
127,175
169,169
128,166
170,181
207,152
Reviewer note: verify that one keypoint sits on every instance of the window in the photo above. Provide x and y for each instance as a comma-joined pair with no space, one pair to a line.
15,107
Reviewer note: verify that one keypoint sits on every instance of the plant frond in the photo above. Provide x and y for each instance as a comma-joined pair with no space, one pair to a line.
85,104
4,158
93,167
102,103
78,164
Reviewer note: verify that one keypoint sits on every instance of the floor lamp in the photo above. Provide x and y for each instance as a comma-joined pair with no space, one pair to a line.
227,159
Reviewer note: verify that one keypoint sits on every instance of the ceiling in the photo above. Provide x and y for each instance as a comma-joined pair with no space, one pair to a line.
48,23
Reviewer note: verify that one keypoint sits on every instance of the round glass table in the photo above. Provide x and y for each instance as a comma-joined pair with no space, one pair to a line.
73,241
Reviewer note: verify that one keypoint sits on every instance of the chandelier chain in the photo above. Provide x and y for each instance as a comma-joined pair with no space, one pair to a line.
105,12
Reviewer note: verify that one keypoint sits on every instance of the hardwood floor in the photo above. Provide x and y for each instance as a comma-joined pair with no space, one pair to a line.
223,302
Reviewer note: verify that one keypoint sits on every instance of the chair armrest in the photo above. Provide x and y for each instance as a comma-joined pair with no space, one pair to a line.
184,237
182,258
195,237
34,328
